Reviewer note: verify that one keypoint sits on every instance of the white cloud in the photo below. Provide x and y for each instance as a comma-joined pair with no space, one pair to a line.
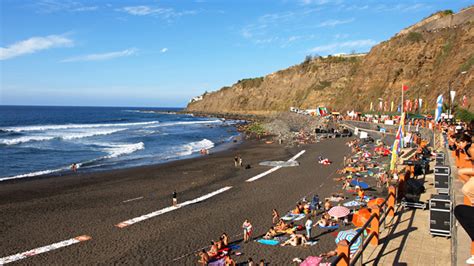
164,50
34,44
166,13
102,57
51,6
336,47
334,22
321,2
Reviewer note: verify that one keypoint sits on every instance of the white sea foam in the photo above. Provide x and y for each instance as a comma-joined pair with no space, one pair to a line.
60,135
73,126
196,146
116,150
44,172
90,134
191,123
24,139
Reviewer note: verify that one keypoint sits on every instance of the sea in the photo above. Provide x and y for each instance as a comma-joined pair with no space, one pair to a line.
45,140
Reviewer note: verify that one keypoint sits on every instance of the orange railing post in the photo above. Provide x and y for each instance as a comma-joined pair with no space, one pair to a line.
401,184
343,249
391,201
375,226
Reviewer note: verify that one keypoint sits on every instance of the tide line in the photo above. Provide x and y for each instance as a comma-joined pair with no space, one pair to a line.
36,251
170,208
271,170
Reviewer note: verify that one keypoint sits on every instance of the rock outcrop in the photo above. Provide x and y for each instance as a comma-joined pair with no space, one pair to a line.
430,57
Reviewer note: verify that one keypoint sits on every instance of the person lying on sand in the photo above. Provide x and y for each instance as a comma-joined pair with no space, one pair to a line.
325,221
295,240
327,205
270,234
203,257
224,239
281,226
336,197
219,244
214,250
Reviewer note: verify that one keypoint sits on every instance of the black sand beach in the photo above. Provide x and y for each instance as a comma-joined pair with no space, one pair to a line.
43,211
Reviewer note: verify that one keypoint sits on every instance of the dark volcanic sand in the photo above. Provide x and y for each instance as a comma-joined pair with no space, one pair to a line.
43,211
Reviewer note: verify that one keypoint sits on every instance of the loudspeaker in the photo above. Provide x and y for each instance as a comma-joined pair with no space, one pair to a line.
442,170
439,158
440,215
442,178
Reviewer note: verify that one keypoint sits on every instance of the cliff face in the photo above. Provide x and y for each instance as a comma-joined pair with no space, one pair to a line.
428,57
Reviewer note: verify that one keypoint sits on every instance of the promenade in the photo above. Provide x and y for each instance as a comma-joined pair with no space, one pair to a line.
407,240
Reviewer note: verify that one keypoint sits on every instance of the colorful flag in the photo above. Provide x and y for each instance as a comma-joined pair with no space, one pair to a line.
464,101
391,107
398,143
439,108
452,94
404,87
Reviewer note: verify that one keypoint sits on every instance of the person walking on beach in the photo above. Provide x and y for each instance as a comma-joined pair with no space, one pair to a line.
309,226
241,163
236,161
74,167
247,226
175,198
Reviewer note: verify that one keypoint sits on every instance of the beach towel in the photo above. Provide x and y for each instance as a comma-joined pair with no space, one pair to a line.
234,247
353,203
366,198
333,227
293,217
271,242
219,262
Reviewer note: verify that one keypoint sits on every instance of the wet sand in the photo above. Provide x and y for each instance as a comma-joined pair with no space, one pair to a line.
43,211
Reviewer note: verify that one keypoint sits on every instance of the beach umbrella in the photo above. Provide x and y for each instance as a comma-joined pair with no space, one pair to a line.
361,184
360,217
339,211
312,261
373,202
349,235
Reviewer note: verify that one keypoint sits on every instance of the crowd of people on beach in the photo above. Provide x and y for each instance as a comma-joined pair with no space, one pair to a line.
296,227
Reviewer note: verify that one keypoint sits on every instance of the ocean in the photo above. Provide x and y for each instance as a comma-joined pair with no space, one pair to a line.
41,140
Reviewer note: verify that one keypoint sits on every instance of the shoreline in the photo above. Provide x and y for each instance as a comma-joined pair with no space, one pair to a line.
47,210
66,172
44,211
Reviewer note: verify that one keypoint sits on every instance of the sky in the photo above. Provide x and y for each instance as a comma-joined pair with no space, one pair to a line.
163,53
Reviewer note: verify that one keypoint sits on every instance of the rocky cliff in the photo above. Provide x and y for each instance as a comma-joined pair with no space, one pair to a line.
429,57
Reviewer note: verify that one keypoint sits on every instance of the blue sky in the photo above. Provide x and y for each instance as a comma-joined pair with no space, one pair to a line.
162,53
